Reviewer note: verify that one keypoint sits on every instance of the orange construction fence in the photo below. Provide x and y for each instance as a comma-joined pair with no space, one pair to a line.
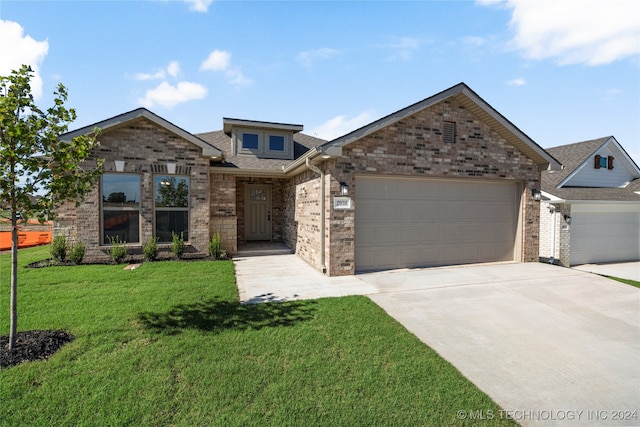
25,238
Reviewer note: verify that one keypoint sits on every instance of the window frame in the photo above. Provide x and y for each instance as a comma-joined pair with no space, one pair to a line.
138,208
264,139
168,209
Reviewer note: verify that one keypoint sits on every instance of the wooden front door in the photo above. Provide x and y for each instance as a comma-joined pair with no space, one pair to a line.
257,212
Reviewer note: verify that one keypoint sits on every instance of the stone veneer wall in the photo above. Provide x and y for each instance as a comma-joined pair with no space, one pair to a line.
146,148
414,147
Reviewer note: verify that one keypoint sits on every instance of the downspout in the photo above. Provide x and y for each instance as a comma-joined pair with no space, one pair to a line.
322,213
553,234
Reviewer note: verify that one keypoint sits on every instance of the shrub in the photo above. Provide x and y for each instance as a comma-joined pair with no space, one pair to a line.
177,244
76,252
118,249
150,249
215,248
59,248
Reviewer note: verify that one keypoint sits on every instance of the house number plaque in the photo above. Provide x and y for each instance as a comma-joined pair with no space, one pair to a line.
341,203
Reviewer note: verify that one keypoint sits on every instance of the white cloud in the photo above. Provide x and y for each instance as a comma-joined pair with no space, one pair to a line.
341,125
167,95
517,82
199,5
220,60
173,69
307,57
237,78
19,49
592,32
155,76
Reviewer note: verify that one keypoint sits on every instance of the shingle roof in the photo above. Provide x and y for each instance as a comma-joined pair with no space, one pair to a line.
571,156
597,194
219,139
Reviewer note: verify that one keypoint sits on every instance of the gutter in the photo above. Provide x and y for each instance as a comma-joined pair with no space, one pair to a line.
553,200
317,170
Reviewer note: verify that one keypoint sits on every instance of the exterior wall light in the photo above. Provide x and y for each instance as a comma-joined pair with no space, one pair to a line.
537,196
344,188
567,219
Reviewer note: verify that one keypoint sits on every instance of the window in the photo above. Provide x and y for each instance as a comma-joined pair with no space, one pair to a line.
449,132
268,144
250,141
601,162
172,207
120,208
276,143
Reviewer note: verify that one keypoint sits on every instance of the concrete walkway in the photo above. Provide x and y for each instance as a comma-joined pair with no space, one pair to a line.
287,278
551,345
623,270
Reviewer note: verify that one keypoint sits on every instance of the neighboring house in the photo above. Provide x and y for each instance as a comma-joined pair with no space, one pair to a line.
447,180
591,209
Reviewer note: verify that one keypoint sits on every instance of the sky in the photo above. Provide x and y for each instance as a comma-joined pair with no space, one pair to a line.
562,71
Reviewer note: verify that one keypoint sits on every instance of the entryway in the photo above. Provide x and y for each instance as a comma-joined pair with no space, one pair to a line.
257,212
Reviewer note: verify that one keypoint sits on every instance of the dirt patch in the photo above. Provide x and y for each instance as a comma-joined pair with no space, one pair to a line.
32,345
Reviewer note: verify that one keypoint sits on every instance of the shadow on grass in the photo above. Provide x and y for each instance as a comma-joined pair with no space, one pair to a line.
217,316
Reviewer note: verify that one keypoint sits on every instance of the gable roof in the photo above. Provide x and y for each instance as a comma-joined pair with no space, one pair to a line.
574,157
120,120
474,103
571,156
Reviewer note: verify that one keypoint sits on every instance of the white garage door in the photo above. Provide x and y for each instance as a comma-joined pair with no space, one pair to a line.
404,222
604,237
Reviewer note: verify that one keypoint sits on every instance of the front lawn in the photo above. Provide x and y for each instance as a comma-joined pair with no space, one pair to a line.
169,344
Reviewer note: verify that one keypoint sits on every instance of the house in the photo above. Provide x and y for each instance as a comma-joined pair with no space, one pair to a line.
445,181
591,208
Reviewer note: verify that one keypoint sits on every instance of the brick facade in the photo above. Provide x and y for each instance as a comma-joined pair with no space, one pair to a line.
145,148
301,217
411,147
414,147
222,208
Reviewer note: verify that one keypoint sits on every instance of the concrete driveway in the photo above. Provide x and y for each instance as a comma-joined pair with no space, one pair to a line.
623,270
551,345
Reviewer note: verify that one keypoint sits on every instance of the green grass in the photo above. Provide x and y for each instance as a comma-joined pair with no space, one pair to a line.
169,344
627,281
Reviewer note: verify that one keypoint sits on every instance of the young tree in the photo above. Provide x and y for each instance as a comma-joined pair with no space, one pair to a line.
33,159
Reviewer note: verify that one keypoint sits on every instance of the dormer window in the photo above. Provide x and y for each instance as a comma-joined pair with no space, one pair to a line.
603,162
261,139
250,141
276,143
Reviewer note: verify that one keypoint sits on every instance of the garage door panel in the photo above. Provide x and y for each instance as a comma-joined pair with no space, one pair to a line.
424,222
604,237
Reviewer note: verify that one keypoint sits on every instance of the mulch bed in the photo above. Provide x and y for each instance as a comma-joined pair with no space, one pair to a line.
32,345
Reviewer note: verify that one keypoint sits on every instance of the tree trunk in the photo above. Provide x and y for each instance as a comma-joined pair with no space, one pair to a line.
13,309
